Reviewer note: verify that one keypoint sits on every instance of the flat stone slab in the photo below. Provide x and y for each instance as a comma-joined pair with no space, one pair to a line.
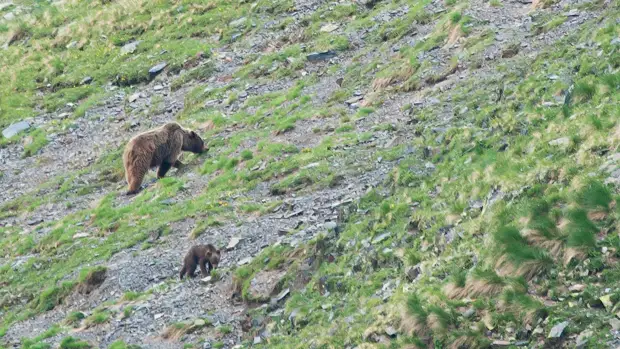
15,129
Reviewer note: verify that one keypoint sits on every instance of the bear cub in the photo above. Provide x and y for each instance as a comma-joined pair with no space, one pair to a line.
206,256
159,147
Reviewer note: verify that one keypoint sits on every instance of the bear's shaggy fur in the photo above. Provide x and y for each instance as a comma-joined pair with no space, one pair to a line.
159,147
207,256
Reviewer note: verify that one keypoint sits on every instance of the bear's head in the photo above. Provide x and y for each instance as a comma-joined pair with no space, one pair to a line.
192,142
214,258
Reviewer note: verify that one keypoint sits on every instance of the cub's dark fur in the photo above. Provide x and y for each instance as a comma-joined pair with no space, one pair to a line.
203,255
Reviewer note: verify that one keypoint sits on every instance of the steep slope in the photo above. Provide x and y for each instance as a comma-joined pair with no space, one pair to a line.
384,174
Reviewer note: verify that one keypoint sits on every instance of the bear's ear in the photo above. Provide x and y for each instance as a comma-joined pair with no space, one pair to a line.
192,134
208,254
218,251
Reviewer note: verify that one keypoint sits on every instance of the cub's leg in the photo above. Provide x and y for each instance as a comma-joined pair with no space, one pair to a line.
203,267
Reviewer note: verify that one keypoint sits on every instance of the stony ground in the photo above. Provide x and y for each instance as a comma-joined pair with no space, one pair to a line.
68,194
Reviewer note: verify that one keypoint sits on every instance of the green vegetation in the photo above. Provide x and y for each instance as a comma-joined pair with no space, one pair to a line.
123,345
74,319
74,343
497,201
36,343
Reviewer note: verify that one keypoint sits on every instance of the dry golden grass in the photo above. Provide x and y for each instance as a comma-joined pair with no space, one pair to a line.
175,331
454,35
381,83
464,342
553,246
475,288
597,215
411,325
434,323
527,270
573,253
453,291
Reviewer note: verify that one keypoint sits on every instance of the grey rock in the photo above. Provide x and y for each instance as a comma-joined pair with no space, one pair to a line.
582,339
87,80
134,97
558,330
264,283
257,340
6,5
233,243
615,324
330,27
245,261
381,238
321,56
282,294
331,226
15,128
35,221
62,116
156,69
412,272
469,313
391,331
353,100
293,317
238,22
158,87
560,142
130,47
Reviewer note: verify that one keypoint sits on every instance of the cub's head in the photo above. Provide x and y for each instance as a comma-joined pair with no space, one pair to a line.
192,142
214,257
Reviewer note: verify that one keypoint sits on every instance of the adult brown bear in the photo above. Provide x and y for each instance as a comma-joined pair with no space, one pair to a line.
159,147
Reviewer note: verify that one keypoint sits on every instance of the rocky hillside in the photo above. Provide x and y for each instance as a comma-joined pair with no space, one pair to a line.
380,174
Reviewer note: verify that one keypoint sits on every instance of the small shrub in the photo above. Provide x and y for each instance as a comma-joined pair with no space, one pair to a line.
455,17
74,343
583,91
97,318
225,329
51,297
74,318
122,345
247,155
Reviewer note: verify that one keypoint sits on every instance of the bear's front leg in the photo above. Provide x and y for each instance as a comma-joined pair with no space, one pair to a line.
163,169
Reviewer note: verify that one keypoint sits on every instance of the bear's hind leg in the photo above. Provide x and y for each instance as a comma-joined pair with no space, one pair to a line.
192,270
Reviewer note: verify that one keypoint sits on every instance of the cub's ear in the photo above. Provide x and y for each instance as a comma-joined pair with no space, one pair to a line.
192,134
218,251
208,255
